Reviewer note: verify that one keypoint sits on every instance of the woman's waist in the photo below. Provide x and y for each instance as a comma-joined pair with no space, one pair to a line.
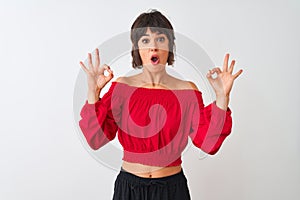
148,171
158,158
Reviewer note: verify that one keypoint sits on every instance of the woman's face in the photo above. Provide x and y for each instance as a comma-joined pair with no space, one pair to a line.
154,49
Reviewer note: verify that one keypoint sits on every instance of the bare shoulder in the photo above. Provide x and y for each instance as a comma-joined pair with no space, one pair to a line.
189,85
129,80
124,79
183,84
121,79
192,85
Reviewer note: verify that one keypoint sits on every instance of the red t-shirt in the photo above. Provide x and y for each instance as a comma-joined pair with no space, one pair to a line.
153,125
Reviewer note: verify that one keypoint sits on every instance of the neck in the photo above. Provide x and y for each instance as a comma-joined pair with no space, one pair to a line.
154,78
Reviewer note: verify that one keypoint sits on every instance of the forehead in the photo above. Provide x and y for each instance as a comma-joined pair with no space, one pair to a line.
156,32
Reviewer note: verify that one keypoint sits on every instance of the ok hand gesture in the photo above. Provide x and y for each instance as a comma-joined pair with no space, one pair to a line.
95,74
223,82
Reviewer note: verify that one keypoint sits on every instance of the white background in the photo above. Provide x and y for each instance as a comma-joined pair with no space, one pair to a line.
41,43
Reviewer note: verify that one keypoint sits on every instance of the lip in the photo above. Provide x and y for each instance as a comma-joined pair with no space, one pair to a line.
154,62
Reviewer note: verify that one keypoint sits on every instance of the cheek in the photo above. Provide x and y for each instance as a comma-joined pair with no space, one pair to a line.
143,54
165,54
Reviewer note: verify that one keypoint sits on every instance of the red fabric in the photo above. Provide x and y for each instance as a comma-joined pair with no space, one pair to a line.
153,125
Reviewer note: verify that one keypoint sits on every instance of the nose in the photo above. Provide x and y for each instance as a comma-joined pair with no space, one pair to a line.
153,46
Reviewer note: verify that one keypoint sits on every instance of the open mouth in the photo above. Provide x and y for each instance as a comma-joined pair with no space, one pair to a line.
154,60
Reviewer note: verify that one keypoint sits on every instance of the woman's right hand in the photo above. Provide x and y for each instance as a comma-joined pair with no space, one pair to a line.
95,74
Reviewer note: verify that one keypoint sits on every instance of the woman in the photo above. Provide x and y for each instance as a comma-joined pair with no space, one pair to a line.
154,113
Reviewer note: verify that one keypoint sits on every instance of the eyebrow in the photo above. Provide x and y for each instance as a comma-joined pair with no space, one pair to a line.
149,35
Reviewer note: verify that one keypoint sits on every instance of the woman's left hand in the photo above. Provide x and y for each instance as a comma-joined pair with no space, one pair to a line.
222,83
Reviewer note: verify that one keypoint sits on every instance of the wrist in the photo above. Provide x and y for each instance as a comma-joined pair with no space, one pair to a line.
222,101
93,96
94,90
222,95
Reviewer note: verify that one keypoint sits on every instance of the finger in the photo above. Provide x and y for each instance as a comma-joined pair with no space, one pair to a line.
231,66
102,68
209,75
107,68
110,72
213,73
225,64
97,59
110,76
237,74
90,60
83,67
216,70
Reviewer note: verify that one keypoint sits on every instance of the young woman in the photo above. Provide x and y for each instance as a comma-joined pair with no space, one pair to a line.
154,113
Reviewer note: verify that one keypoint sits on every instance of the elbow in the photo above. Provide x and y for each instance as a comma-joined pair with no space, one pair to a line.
207,148
91,137
211,147
93,146
96,143
213,151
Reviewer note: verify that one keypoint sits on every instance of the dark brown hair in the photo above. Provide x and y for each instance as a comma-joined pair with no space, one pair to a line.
157,22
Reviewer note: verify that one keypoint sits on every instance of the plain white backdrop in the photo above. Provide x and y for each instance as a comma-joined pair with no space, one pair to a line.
42,42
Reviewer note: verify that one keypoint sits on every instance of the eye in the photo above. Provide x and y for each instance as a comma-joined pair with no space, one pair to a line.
161,39
145,41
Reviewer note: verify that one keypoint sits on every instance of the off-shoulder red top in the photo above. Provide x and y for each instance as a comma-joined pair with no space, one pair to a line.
153,125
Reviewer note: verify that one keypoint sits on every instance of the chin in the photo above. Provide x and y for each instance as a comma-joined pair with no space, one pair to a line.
157,67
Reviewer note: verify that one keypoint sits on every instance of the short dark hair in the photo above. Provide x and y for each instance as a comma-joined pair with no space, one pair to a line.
157,22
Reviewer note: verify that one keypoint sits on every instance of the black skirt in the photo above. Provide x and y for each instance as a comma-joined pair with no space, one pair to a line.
131,187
